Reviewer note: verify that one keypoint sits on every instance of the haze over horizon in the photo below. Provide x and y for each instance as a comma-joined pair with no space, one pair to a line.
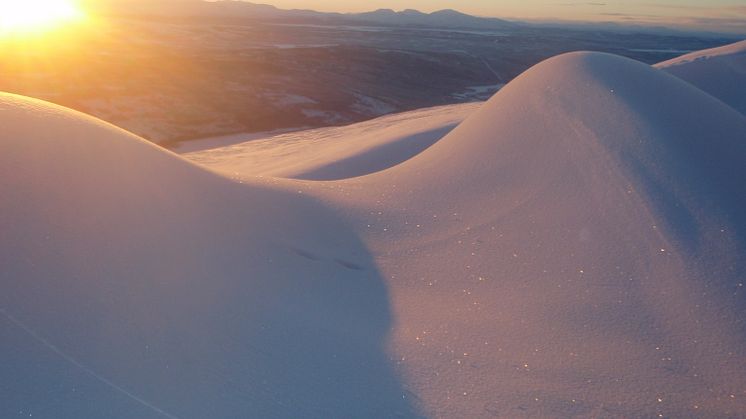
723,16
718,15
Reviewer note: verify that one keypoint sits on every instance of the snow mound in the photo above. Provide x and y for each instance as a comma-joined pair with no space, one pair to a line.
579,240
554,114
135,284
720,72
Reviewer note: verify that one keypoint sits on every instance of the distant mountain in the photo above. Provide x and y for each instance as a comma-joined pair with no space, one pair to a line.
444,18
247,10
234,8
205,9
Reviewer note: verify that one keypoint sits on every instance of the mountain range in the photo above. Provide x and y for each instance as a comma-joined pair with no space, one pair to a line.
246,10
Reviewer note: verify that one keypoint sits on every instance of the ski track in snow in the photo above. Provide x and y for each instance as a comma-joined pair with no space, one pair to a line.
37,337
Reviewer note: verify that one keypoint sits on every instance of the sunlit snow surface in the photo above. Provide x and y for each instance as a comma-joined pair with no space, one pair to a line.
574,248
338,152
720,72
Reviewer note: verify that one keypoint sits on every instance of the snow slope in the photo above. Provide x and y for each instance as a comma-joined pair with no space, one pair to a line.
136,285
575,248
339,152
720,72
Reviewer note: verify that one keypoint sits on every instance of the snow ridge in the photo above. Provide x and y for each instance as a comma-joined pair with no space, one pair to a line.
720,72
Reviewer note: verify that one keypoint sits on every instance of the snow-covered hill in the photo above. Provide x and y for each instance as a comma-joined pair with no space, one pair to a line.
135,284
574,248
720,72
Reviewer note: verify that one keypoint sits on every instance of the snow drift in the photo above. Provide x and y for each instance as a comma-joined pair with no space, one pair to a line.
720,72
581,238
338,152
135,284
575,248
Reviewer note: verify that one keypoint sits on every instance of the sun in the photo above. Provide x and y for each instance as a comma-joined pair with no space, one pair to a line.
36,15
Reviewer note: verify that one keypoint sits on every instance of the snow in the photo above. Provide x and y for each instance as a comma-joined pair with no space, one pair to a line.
209,143
198,295
339,152
367,105
329,117
290,100
720,72
573,248
479,92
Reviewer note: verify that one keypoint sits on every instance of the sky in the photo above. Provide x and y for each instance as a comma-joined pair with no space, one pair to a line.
725,14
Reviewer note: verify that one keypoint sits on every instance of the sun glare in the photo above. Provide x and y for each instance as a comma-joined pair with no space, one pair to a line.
36,15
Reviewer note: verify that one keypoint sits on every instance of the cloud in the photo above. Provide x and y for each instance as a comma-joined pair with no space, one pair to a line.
730,19
704,11
736,25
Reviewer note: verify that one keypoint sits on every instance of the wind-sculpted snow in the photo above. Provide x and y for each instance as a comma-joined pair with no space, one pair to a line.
720,72
574,248
593,112
338,152
135,285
